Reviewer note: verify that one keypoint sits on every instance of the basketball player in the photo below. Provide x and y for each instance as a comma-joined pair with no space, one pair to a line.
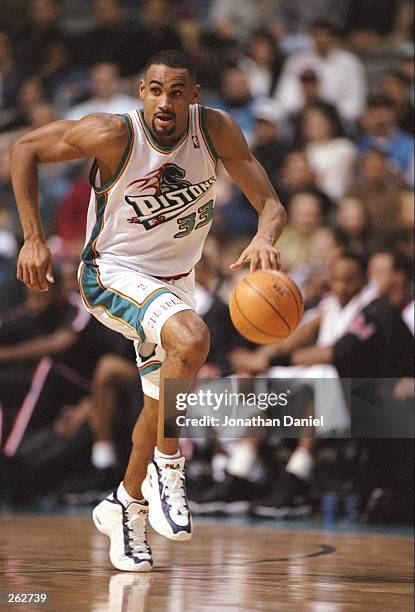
152,201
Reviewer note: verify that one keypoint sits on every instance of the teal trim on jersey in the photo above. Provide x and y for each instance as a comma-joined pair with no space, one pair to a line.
117,306
121,166
150,368
90,253
156,145
206,133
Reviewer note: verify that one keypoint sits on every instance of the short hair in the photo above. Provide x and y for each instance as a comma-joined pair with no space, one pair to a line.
172,58
358,259
321,24
400,263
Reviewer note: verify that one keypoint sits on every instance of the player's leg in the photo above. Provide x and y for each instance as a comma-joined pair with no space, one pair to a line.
144,442
185,339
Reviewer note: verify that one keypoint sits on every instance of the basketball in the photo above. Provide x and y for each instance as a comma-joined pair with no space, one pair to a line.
266,306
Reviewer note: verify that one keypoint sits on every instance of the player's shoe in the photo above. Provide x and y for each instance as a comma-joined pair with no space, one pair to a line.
288,499
126,529
164,487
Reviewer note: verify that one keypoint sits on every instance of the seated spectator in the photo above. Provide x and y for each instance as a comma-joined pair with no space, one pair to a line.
237,20
340,74
106,94
352,219
267,145
297,175
154,31
378,186
63,345
390,273
31,93
381,131
263,64
329,154
310,87
236,99
107,41
304,218
396,86
39,30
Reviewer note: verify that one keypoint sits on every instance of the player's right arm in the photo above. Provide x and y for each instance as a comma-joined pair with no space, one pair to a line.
101,136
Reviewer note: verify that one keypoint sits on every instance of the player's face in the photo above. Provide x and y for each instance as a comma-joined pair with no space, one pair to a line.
167,93
346,280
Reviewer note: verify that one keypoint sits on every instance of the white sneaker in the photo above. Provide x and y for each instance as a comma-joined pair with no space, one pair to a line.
126,529
165,490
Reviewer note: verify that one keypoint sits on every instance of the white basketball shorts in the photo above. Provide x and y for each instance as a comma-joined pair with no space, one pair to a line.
136,305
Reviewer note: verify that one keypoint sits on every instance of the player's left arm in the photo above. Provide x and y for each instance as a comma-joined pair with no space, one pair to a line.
251,178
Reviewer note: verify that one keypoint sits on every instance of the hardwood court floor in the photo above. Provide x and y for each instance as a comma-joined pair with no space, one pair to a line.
225,568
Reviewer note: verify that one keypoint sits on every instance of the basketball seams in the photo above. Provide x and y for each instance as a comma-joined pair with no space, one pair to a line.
295,301
269,303
275,338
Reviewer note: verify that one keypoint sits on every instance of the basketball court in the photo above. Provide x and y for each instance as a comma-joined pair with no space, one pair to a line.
229,565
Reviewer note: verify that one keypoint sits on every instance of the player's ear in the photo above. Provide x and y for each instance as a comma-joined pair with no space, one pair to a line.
195,93
141,88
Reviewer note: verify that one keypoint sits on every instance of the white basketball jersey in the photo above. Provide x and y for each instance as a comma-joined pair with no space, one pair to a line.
154,214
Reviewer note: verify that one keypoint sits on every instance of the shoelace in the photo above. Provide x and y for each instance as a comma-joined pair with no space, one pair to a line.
173,489
137,534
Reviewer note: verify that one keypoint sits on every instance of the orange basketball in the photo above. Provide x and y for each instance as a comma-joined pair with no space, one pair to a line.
266,306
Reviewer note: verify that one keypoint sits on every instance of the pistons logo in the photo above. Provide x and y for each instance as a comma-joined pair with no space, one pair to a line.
163,195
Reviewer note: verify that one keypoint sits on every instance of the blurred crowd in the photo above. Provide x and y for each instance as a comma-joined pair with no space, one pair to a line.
323,91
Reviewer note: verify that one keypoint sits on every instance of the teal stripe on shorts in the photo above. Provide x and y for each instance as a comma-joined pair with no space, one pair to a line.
119,307
150,368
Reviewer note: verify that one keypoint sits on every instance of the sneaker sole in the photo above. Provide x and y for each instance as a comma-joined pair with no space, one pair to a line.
180,536
144,566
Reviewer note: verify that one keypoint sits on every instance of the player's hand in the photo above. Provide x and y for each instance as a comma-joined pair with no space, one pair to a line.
34,266
261,255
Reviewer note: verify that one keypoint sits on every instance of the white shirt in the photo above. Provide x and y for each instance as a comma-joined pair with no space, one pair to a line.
333,163
120,103
341,76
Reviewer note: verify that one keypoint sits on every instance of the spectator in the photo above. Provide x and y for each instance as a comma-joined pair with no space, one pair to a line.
304,218
263,64
329,154
397,87
109,41
31,93
106,96
267,145
310,87
390,273
352,219
63,346
154,32
297,175
378,187
381,132
339,72
236,99
237,20
38,32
